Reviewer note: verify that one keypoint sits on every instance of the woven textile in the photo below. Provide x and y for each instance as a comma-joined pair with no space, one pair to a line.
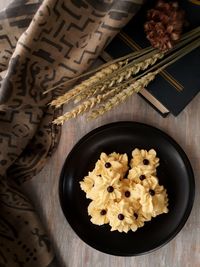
42,43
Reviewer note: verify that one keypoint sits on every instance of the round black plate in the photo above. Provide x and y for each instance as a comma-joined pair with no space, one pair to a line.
174,172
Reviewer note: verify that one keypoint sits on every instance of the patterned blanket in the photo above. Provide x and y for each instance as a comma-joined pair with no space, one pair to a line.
42,44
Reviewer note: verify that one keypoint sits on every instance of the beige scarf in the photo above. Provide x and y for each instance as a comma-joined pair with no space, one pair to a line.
43,43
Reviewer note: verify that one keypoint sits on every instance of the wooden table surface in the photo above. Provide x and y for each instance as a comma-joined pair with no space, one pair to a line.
182,251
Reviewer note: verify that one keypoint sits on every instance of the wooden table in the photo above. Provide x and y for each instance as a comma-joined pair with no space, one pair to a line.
182,251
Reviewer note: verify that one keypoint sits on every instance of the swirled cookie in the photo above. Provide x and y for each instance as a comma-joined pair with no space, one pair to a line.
111,165
125,202
145,160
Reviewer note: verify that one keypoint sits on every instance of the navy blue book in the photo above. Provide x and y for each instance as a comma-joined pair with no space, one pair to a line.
176,86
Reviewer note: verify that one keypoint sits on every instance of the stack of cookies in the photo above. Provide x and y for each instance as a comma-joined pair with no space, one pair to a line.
125,194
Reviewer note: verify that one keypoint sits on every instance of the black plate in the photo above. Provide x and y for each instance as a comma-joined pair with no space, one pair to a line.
174,172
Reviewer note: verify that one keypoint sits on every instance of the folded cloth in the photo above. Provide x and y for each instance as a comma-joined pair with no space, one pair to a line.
43,43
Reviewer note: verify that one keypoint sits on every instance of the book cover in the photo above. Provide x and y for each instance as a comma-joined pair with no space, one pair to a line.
176,86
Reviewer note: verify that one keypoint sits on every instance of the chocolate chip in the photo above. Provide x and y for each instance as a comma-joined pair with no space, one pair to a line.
110,189
142,177
146,162
120,217
135,215
107,165
151,192
127,194
103,212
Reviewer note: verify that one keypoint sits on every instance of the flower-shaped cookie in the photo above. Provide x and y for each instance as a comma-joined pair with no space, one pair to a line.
128,193
111,165
120,218
138,175
105,190
139,218
98,213
88,183
152,197
125,202
145,160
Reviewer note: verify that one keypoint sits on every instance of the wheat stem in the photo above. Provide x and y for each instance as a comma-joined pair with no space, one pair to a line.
98,78
86,105
128,57
84,85
109,82
145,64
125,75
122,96
175,56
186,37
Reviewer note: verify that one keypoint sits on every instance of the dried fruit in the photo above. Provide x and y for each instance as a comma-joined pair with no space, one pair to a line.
164,24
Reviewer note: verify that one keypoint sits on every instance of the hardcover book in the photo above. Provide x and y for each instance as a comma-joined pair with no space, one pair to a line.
178,84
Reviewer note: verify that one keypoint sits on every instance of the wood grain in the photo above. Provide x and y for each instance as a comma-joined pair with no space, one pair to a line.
182,251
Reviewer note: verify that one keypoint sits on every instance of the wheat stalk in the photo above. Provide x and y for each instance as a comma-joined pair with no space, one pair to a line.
85,84
101,77
122,96
92,91
86,105
115,83
187,37
128,57
144,80
125,75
